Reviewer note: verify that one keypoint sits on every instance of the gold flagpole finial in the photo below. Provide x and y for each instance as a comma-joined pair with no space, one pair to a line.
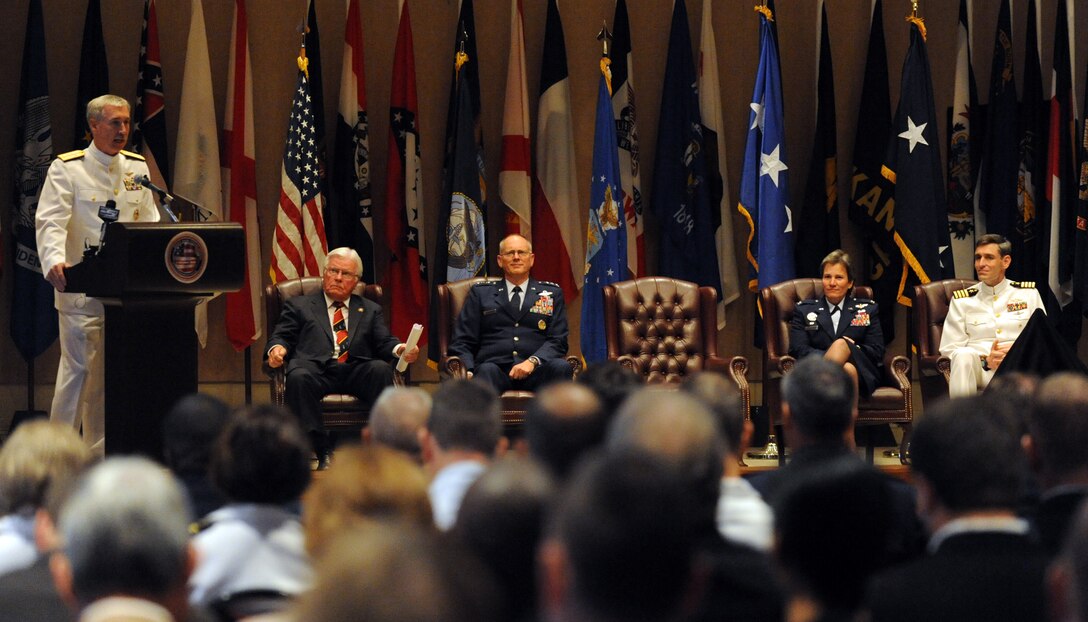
604,36
917,21
765,11
461,57
303,62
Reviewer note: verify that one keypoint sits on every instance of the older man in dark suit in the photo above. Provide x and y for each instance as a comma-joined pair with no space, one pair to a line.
512,333
333,341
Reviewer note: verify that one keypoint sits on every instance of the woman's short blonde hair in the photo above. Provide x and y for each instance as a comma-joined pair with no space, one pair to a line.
364,484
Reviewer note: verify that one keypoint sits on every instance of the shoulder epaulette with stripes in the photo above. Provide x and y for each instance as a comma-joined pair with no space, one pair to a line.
965,293
134,156
1023,284
71,155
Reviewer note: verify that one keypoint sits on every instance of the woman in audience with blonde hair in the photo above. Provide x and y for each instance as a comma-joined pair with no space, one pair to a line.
362,486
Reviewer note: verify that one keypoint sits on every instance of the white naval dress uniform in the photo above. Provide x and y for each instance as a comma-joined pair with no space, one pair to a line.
976,316
78,184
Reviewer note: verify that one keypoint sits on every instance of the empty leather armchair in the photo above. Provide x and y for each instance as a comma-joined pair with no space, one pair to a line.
665,330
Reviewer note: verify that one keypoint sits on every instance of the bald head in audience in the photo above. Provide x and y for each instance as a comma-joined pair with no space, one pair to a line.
562,423
396,419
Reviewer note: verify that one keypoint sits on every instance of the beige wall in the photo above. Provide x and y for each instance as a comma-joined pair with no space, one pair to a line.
274,43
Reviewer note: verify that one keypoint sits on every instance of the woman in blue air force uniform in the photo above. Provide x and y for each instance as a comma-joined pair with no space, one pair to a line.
840,327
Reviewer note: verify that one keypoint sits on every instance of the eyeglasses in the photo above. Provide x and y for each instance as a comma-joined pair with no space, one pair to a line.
516,253
347,274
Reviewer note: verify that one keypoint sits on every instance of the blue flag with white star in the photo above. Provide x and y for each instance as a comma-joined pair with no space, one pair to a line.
606,231
913,164
764,180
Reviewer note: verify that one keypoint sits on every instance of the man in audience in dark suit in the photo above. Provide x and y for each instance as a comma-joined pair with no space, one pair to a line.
512,334
982,562
676,428
1057,449
817,414
1067,579
333,342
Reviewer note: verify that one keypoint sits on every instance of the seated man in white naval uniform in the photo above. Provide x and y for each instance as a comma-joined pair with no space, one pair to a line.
68,219
985,319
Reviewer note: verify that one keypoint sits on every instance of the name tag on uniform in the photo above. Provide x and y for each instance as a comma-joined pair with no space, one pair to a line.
490,311
1016,305
861,318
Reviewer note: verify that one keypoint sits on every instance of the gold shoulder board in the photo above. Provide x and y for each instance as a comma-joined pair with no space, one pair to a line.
134,156
964,293
71,155
1024,284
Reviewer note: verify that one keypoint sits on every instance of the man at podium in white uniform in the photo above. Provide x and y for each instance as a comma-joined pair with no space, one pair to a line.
72,211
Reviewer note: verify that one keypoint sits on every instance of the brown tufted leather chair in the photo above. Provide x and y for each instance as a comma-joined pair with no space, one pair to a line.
338,411
665,330
929,308
451,297
890,403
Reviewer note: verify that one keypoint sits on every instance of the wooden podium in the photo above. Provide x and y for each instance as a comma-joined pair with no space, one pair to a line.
150,276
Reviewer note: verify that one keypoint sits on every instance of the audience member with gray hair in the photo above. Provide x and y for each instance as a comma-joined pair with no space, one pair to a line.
38,456
679,430
1057,449
398,415
125,543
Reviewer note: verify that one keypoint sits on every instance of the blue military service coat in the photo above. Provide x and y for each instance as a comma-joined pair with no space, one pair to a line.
812,332
488,329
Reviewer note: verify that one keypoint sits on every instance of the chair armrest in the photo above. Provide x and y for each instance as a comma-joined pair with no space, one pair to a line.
576,366
783,364
628,362
897,371
935,366
455,367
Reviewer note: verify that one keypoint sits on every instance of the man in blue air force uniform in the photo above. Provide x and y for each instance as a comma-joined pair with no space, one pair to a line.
512,333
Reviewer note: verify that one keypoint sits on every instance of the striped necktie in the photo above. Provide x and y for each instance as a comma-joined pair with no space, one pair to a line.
340,329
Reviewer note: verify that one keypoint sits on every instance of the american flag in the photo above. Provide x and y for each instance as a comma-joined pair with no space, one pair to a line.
299,247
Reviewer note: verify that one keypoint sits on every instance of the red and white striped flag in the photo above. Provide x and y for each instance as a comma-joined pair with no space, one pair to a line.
299,247
196,163
515,183
240,183
557,220
406,279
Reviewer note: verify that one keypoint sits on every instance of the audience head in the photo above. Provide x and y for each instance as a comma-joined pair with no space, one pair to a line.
465,416
818,401
38,456
395,572
501,520
611,382
831,524
722,397
968,459
398,415
125,532
1067,580
619,542
676,428
1011,396
563,422
1058,427
190,430
262,457
364,485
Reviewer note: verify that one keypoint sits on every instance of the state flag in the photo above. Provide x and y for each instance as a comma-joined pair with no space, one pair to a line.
515,180
625,112
1027,264
149,118
964,139
94,72
1001,158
